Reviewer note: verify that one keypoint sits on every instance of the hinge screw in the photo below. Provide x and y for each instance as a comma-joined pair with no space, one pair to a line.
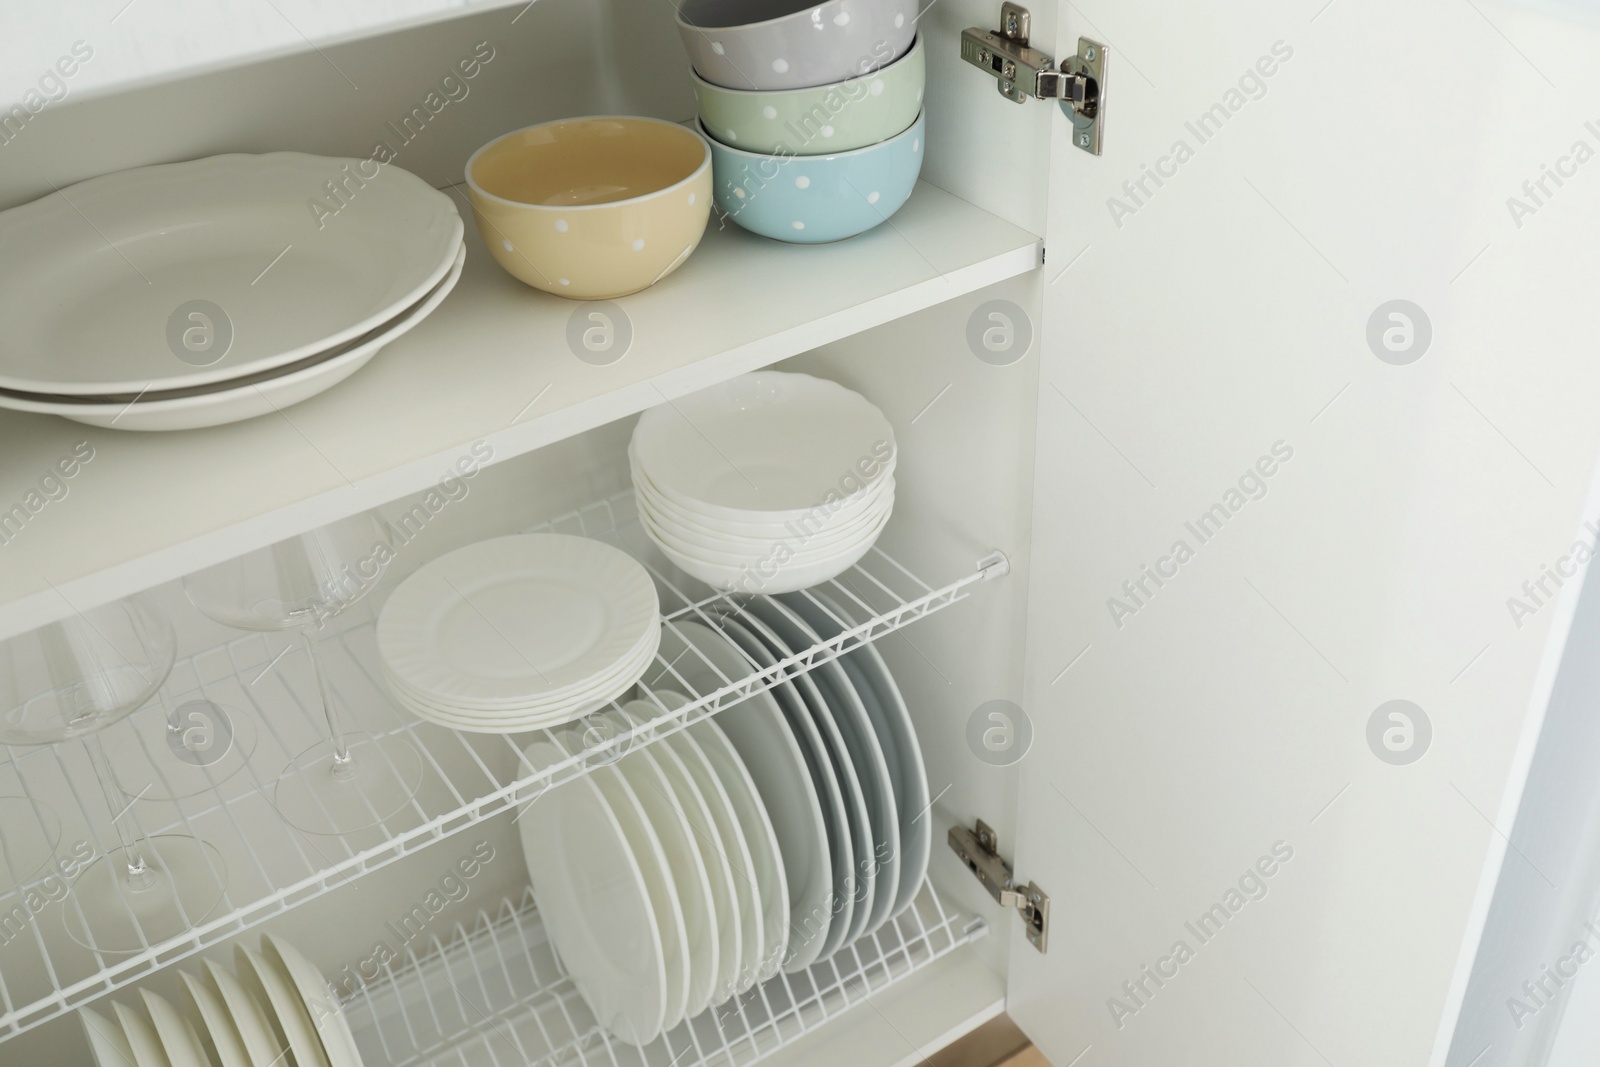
1011,25
1089,54
1083,140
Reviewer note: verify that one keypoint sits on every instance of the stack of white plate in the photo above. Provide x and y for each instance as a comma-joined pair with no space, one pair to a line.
195,294
676,874
519,633
767,483
278,1009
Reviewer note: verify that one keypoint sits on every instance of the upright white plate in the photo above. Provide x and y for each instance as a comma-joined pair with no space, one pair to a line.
249,1015
210,1018
764,442
709,832
767,747
592,893
898,736
831,683
526,617
272,988
178,1038
319,1001
143,1040
766,859
849,831
247,398
94,276
107,1043
665,809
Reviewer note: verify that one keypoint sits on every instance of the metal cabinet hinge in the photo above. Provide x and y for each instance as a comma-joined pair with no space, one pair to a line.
979,850
1079,84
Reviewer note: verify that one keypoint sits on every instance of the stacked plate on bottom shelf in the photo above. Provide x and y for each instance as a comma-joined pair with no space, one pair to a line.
766,483
676,874
278,1009
519,633
225,297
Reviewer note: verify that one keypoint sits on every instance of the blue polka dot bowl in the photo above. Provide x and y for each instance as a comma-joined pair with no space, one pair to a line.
815,199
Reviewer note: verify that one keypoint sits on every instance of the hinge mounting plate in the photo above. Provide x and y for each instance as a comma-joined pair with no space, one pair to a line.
979,848
1025,73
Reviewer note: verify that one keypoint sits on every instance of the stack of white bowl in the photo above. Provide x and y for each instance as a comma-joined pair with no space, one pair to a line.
767,483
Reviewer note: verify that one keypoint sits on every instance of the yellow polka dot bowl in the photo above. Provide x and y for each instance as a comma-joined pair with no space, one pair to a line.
592,208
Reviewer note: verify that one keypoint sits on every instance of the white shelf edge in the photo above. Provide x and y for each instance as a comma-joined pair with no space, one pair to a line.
176,560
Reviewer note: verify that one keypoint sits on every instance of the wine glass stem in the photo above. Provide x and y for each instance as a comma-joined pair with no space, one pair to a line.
344,764
139,874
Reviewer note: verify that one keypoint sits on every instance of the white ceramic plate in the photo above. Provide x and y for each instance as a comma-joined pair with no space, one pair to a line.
237,402
831,684
527,617
898,736
764,578
90,276
543,717
143,1040
849,833
797,552
319,1000
598,912
708,833
765,442
272,989
766,860
178,1039
249,1015
210,1018
701,658
665,809
757,524
734,851
107,1043
828,533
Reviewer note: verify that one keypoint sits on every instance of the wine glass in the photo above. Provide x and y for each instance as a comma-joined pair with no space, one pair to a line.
70,680
342,783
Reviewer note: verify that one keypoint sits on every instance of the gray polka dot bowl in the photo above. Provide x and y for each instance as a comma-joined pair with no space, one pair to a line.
816,199
824,119
793,44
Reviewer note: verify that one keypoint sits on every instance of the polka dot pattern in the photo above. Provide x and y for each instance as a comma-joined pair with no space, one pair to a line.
815,44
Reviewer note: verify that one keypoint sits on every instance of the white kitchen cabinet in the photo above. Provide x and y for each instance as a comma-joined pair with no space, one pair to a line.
1200,301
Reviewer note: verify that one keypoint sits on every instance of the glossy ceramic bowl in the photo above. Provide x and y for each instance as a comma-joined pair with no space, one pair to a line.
793,44
592,208
839,117
816,199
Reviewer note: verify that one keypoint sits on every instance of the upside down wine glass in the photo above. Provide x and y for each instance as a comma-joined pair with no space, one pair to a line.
345,782
69,680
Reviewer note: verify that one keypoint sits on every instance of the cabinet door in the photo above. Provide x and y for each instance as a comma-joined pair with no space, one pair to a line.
1317,427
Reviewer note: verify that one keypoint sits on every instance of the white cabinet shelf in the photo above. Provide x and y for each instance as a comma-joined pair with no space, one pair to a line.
491,365
467,778
494,993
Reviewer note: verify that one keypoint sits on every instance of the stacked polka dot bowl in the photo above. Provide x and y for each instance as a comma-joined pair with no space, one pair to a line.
813,112
592,208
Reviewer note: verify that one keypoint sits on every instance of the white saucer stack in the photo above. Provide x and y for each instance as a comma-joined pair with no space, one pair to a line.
519,633
767,483
195,294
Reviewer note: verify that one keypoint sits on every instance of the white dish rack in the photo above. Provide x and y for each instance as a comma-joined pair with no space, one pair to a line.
467,778
492,992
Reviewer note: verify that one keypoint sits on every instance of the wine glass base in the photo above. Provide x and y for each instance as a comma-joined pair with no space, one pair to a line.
109,914
387,771
29,834
197,749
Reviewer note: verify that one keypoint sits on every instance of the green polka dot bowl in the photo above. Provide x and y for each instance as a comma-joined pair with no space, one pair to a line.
822,120
816,199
